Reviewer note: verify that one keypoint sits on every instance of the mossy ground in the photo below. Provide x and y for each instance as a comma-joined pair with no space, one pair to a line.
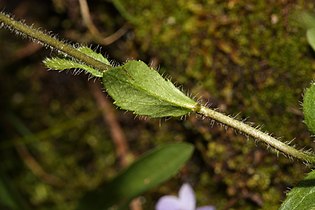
246,57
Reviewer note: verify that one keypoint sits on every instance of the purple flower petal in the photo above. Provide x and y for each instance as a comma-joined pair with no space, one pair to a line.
206,208
187,197
185,201
168,202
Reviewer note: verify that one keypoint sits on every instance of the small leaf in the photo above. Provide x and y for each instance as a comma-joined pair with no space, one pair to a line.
9,196
309,107
6,199
67,63
301,197
310,35
304,19
93,54
136,87
150,170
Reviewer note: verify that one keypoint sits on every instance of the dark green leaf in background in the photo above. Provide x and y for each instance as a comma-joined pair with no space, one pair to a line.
10,199
304,18
309,107
310,35
146,173
6,199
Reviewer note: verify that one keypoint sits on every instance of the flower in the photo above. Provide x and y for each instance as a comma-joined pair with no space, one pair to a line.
185,201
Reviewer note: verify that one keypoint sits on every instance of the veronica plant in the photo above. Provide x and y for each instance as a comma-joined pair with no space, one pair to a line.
136,87
185,201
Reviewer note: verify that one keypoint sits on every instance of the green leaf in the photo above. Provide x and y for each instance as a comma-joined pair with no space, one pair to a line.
150,170
310,35
67,63
301,197
6,199
309,107
9,197
93,54
136,87
304,18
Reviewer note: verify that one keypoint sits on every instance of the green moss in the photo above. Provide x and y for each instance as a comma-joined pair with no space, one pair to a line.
250,59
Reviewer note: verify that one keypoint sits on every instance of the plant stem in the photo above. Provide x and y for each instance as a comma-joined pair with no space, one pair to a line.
69,50
50,41
256,134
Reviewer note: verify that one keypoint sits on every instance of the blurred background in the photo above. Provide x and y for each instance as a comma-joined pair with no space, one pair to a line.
62,136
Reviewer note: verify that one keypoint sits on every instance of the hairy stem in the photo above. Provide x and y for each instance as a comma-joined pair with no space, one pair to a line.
67,49
52,42
257,134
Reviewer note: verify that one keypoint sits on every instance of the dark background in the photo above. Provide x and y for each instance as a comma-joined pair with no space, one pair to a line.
61,136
